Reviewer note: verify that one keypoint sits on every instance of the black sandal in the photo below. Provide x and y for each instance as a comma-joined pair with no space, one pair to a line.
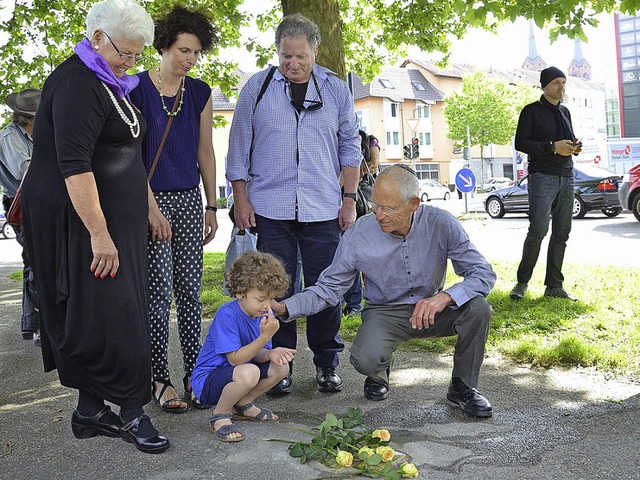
191,398
166,383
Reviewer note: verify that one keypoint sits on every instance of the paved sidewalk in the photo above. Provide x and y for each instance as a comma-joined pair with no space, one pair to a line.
548,424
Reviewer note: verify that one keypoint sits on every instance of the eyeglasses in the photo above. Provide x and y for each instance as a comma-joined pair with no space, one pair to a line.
315,104
388,211
136,58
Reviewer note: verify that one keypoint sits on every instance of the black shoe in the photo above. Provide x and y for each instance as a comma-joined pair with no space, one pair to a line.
153,444
468,399
517,293
105,422
558,292
352,311
283,387
328,380
376,389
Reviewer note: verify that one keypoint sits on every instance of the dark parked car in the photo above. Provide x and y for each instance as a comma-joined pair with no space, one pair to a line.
594,188
629,191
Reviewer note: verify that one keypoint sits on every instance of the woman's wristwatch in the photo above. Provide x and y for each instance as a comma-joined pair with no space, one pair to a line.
211,208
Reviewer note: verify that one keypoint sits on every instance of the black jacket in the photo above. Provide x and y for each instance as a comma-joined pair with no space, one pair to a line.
542,123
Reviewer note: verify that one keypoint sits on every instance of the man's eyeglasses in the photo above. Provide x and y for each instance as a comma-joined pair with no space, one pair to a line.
388,211
136,58
300,105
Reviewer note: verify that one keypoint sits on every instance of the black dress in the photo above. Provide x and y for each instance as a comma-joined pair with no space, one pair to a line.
94,331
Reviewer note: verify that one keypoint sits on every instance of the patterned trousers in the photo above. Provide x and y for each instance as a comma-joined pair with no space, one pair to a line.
175,269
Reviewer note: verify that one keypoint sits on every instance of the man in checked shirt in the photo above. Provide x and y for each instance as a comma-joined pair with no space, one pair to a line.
294,131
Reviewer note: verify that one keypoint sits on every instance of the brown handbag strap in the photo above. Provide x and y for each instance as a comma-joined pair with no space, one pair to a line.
164,138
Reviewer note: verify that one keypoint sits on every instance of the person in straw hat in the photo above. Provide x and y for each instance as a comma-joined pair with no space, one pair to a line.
16,147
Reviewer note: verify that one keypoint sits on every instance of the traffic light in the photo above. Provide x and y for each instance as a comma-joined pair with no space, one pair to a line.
415,148
466,153
407,152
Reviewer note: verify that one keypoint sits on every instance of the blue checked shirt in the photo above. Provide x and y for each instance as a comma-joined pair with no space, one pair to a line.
291,159
400,270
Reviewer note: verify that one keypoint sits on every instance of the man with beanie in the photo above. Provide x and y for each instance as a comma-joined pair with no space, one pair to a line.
16,147
545,133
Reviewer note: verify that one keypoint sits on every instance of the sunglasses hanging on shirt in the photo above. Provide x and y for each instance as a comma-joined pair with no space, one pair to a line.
300,105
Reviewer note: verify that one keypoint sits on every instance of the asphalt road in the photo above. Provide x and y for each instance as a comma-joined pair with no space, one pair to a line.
594,239
569,424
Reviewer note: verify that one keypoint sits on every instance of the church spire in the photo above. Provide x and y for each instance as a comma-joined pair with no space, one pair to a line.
579,67
533,60
533,52
577,51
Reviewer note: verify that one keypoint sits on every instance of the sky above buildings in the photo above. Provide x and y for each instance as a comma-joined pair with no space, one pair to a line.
506,49
510,46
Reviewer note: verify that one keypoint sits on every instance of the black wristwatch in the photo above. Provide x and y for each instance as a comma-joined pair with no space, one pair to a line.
352,196
211,208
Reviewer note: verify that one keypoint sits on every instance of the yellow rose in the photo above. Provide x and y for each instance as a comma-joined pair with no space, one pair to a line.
369,451
408,470
344,458
382,434
386,452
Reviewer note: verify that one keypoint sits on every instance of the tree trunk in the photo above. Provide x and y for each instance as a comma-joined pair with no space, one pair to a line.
326,14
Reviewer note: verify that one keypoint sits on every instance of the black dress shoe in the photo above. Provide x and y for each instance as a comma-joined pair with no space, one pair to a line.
468,399
152,444
105,422
283,387
328,380
375,390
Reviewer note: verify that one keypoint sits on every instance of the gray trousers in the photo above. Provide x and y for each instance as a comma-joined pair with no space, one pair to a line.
384,328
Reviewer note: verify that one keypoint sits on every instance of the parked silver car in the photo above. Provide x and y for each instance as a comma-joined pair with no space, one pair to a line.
432,190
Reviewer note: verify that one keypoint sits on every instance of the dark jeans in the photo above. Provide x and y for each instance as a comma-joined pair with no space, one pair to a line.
317,242
550,199
30,321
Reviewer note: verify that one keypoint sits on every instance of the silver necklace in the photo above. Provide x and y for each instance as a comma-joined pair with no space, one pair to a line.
180,91
134,125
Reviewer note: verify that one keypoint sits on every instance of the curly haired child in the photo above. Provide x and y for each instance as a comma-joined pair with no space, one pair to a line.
237,364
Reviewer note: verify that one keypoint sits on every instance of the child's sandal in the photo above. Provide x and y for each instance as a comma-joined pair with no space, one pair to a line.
263,416
224,432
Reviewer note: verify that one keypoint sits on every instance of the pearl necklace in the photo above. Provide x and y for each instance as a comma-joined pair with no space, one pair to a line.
180,91
134,125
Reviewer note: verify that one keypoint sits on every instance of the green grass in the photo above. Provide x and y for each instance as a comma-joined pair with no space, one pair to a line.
15,275
601,330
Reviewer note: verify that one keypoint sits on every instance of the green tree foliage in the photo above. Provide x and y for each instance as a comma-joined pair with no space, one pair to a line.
40,33
488,107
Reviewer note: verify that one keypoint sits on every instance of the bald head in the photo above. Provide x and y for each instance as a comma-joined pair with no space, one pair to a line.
401,177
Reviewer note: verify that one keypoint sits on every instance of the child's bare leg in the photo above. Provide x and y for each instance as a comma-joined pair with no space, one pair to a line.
245,378
275,374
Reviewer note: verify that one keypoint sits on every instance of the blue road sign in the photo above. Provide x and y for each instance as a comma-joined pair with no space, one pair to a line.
465,180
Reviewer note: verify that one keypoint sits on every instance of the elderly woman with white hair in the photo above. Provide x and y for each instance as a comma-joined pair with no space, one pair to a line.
85,209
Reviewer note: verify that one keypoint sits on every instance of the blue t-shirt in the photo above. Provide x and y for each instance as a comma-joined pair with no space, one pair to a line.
177,167
231,329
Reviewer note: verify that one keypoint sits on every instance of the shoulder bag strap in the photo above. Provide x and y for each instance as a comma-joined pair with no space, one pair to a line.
265,84
164,137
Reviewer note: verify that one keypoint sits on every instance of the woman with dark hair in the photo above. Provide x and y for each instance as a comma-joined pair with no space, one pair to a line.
177,227
85,218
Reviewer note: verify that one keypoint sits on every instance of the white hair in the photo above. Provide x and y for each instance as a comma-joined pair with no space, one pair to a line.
124,19
404,177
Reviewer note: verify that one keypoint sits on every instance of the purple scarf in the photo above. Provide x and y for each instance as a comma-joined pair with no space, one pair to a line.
98,65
